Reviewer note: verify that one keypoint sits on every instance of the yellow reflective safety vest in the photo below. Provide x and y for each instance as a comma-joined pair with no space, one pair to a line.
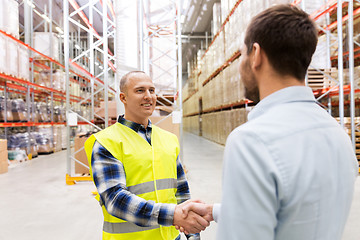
151,173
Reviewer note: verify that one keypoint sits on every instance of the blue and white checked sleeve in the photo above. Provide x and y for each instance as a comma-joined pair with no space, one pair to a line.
110,180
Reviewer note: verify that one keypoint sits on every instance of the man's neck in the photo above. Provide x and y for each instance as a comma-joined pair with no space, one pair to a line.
273,84
143,122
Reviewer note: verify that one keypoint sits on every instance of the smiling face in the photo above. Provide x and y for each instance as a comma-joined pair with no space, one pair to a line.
139,98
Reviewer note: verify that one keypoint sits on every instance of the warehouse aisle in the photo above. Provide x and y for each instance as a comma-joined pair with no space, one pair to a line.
36,204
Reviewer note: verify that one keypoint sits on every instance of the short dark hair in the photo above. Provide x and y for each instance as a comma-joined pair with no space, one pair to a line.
125,78
287,35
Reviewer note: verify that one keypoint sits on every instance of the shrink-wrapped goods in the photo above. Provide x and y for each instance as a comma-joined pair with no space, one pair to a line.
42,41
42,112
12,64
12,18
3,65
19,141
7,113
45,78
57,139
3,13
9,17
24,66
59,114
19,110
63,137
44,142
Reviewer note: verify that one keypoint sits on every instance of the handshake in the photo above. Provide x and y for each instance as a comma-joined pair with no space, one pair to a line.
193,216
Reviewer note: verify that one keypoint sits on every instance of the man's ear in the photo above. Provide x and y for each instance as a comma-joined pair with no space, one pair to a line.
256,59
122,97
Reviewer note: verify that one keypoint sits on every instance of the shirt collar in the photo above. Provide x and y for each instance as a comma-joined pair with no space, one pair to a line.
133,125
285,95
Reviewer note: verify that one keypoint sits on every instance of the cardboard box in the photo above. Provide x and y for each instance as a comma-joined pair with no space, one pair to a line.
3,144
166,124
4,156
81,156
4,161
4,167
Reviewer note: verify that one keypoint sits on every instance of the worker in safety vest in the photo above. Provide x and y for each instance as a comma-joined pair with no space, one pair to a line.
136,169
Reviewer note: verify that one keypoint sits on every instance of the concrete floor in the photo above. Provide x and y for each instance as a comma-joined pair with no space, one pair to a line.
36,203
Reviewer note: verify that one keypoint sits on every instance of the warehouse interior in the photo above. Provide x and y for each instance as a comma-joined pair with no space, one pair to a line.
60,68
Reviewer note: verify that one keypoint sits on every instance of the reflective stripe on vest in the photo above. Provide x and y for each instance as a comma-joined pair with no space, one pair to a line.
146,187
125,227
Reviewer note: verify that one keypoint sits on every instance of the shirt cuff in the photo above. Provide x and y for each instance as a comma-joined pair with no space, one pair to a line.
166,214
216,211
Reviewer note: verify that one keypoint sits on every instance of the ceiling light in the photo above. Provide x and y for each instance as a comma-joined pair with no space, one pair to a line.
77,46
182,18
190,12
96,63
46,18
59,30
101,67
204,7
185,4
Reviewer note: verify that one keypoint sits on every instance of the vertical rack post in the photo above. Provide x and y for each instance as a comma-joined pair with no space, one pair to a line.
340,62
66,59
179,63
351,69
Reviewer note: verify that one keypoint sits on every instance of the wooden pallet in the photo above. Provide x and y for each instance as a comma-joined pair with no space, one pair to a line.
318,80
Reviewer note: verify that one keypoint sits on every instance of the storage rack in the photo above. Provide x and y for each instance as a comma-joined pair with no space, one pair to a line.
26,87
160,41
340,89
97,48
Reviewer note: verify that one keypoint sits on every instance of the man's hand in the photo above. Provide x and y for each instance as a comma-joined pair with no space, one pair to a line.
189,221
198,207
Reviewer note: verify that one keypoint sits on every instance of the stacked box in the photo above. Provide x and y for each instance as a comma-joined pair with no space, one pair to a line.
3,156
225,9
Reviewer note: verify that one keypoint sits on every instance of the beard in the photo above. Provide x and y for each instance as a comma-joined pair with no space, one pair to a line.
250,83
252,94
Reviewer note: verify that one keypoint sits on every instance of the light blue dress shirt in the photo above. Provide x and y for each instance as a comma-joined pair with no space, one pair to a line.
289,172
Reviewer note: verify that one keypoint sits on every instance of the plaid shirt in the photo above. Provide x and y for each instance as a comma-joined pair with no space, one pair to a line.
110,180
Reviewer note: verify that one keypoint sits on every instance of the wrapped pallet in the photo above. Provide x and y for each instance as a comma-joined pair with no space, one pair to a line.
42,42
12,62
7,113
19,142
9,17
3,68
19,110
24,65
63,137
12,18
44,141
57,139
